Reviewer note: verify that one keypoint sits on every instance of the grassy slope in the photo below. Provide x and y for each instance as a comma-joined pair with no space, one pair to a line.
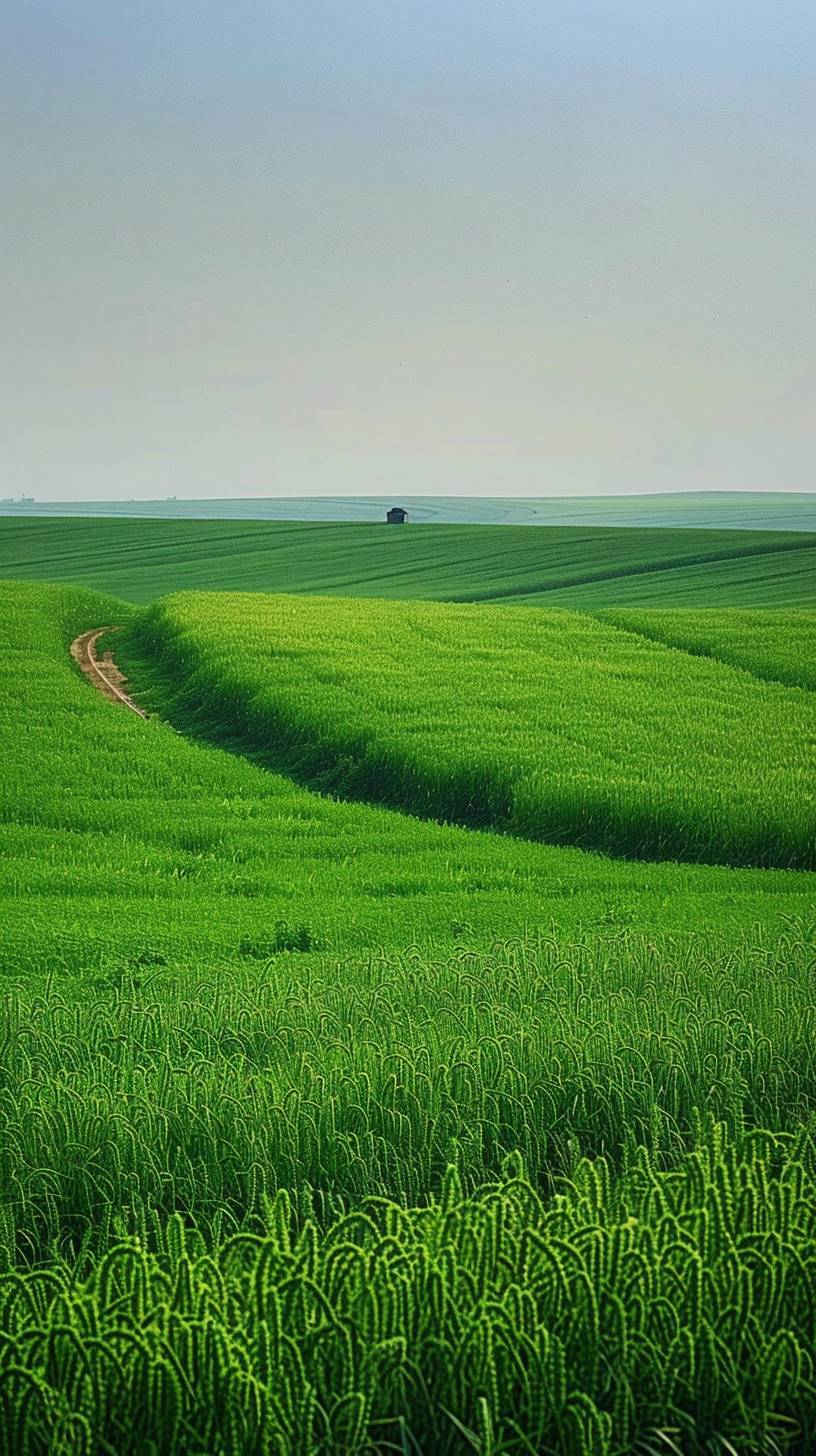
141,559
132,853
548,725
123,841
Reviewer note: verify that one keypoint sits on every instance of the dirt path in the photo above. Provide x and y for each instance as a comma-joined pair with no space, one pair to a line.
104,675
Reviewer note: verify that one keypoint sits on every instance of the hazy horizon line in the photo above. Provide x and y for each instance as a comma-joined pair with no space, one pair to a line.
407,495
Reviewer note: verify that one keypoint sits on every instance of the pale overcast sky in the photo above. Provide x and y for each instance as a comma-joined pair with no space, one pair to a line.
442,246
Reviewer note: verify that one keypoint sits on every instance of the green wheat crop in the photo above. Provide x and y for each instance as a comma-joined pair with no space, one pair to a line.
662,1311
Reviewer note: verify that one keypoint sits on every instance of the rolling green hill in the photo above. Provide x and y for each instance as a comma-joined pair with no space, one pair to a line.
545,724
121,836
581,566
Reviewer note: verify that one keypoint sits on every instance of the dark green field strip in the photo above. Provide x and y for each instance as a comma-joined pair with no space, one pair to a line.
571,581
548,726
774,646
141,559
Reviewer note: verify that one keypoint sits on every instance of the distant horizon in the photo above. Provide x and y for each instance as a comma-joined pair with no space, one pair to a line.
725,509
406,495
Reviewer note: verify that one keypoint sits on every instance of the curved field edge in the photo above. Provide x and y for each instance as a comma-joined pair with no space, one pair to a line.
592,1325
776,646
287,682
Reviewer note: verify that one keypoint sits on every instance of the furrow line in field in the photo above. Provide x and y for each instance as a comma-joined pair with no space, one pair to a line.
640,568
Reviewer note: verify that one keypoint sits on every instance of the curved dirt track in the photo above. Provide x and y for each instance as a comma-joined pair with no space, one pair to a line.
104,675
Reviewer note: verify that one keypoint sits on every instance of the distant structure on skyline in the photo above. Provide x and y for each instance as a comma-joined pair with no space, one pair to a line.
396,516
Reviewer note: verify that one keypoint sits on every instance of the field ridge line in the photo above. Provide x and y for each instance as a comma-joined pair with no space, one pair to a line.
767,679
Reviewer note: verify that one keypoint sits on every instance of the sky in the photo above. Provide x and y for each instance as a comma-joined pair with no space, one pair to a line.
432,246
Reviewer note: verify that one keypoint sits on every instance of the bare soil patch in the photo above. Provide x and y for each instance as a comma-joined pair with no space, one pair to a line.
104,674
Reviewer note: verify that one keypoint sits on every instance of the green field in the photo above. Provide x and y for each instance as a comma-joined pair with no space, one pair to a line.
545,724
561,566
327,1127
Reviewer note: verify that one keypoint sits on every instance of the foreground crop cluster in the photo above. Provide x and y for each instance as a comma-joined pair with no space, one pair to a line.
618,1317
371,1074
326,1128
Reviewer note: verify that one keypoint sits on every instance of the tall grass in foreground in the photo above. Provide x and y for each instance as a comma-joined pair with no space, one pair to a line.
665,1311
337,1079
543,724
249,1214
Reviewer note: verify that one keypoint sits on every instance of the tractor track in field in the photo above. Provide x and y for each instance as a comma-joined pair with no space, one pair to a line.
104,675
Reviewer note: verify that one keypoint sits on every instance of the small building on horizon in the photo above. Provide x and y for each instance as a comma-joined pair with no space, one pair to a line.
397,516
